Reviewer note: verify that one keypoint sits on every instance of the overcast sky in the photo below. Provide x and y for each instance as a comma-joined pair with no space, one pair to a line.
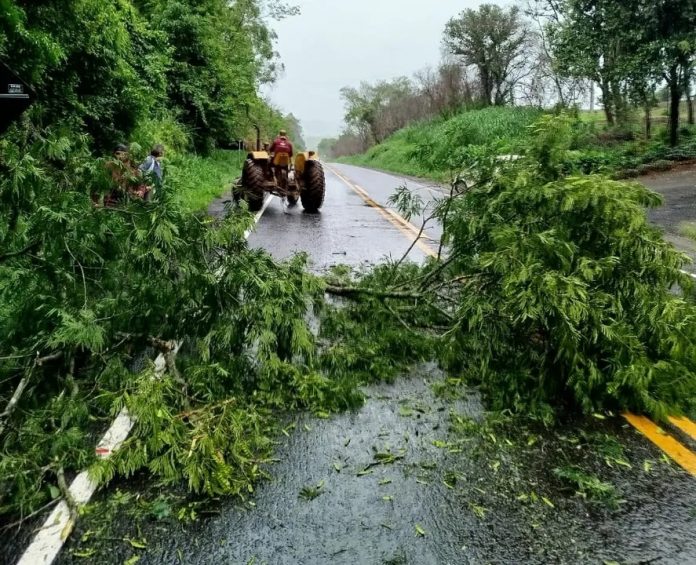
337,43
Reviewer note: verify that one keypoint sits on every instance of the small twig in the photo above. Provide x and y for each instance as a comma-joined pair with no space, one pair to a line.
444,218
440,311
459,279
27,249
84,280
48,358
401,320
19,391
189,413
68,497
12,404
414,242
30,516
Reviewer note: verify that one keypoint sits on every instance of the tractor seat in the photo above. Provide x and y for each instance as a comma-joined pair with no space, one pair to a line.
281,160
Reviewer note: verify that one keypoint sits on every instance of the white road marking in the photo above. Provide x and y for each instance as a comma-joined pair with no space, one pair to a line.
49,540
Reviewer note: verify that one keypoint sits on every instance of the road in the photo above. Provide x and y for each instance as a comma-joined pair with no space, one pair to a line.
493,499
348,231
678,190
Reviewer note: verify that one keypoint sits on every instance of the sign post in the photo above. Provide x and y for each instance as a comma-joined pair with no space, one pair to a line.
15,97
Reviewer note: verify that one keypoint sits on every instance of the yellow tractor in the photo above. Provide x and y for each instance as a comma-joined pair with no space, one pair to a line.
262,174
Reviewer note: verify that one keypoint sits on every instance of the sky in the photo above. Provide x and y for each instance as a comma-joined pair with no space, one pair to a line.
337,43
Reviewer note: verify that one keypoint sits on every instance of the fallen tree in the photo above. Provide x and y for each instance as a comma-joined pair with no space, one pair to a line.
556,294
94,288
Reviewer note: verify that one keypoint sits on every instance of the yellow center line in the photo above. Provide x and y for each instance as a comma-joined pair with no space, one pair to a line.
398,221
685,425
678,452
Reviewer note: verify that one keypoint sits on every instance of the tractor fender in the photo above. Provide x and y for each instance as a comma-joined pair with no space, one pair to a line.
259,156
302,159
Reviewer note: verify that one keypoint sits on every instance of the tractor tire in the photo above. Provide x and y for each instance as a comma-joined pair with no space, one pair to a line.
252,185
314,187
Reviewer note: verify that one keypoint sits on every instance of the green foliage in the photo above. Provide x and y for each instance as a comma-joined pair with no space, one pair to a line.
574,302
113,66
437,149
557,294
88,288
588,486
196,181
86,291
367,339
493,40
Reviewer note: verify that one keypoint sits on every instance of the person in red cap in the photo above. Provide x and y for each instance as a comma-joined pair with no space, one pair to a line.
281,164
281,144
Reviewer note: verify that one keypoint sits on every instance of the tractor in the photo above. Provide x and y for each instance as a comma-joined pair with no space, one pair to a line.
261,174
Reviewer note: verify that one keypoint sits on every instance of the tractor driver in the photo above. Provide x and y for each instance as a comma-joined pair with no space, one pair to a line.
280,148
281,144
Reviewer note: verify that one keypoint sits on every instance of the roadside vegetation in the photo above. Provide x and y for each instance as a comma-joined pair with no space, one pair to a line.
552,292
421,149
433,149
89,294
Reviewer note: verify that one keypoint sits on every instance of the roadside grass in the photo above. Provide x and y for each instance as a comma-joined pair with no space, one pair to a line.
688,229
402,152
197,181
396,155
432,149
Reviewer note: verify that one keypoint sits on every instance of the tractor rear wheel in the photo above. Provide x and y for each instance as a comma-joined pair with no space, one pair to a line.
314,187
253,185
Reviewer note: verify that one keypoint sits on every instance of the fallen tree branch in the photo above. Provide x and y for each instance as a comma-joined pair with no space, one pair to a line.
69,500
357,291
27,249
19,522
19,391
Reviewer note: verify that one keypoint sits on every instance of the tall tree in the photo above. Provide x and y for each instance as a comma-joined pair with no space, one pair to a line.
671,27
588,42
492,40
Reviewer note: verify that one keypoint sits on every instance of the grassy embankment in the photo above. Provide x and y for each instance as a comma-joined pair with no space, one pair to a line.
400,152
422,149
200,180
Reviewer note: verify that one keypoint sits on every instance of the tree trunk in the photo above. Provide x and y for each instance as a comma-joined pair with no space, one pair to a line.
607,103
686,87
486,87
675,94
619,103
592,97
648,120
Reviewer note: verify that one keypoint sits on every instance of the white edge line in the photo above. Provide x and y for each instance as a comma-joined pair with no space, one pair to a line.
56,529
258,215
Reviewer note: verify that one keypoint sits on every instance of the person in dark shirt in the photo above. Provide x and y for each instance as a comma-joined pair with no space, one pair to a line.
281,144
281,164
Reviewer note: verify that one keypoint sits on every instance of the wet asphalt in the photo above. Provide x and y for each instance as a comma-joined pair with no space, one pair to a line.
678,190
347,231
442,498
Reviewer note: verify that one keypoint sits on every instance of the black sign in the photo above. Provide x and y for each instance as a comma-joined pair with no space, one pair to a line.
15,97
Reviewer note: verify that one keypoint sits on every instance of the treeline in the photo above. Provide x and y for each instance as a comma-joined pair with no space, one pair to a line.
551,53
106,67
